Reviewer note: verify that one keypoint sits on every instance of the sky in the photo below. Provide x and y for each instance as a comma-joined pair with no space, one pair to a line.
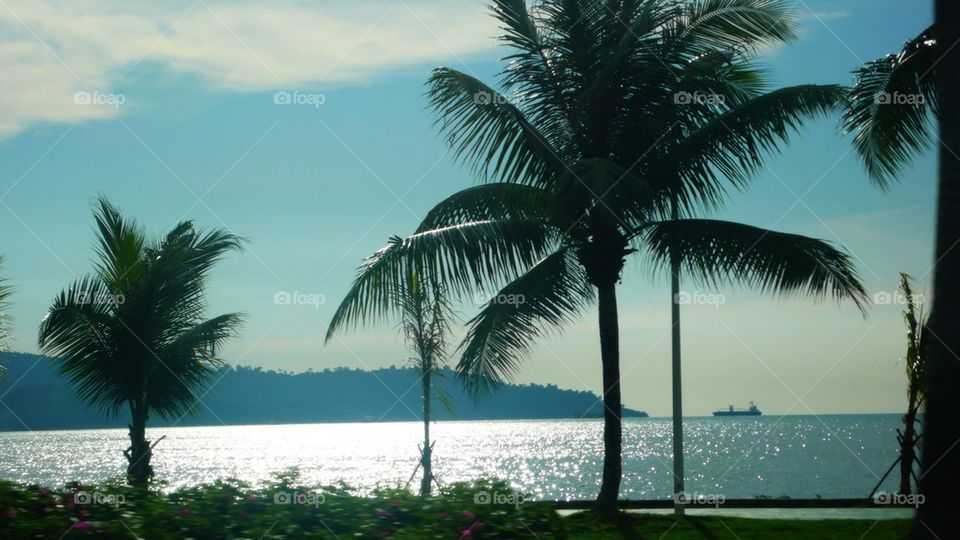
303,127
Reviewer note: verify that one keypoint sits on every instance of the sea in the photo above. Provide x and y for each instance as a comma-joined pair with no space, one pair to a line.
829,456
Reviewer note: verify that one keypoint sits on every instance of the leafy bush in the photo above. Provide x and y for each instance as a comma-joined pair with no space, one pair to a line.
284,508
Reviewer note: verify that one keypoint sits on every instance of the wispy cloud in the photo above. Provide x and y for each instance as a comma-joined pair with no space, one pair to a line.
52,49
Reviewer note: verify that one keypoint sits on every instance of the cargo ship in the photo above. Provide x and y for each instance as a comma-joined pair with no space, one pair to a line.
750,411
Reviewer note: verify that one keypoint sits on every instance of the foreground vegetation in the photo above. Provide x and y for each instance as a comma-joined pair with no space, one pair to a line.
285,508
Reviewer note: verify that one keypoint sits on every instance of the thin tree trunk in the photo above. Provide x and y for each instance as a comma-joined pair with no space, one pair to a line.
425,459
907,451
937,517
138,455
612,428
677,376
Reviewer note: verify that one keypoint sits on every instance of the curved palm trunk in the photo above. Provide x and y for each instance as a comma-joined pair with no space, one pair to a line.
425,458
612,428
937,517
138,456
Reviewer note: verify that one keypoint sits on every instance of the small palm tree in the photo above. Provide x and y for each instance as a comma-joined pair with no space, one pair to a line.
6,332
132,334
916,367
605,147
426,315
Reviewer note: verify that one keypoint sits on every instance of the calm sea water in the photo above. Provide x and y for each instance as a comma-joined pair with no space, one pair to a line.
796,456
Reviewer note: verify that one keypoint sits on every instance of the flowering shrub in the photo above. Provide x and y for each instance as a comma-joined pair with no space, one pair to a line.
282,509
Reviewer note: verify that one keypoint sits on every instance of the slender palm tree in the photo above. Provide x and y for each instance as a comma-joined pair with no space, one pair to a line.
618,123
892,111
426,315
916,367
5,331
132,334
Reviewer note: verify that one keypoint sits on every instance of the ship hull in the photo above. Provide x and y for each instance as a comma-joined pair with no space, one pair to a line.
737,413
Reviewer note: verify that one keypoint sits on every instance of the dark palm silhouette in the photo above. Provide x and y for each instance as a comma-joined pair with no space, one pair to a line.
890,111
916,368
132,334
6,333
628,119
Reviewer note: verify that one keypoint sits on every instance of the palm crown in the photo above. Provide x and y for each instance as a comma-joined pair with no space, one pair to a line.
617,124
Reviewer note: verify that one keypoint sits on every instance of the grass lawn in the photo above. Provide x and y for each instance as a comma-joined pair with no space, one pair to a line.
632,526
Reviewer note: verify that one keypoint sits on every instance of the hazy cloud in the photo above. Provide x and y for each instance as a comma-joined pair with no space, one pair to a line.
51,50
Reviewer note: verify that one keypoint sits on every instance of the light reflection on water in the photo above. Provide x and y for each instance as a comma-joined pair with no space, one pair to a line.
798,456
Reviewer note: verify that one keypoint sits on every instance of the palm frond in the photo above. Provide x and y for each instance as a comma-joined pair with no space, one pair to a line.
890,107
552,293
489,132
493,201
731,146
466,258
6,333
716,252
703,25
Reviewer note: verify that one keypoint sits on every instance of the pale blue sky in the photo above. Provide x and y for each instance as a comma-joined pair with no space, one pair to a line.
318,188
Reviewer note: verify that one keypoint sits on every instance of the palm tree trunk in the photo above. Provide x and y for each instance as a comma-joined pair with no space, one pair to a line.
425,458
677,375
677,386
612,428
937,517
907,450
139,470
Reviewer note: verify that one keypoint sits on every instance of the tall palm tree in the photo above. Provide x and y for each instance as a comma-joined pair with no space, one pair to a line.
623,120
426,315
132,334
889,133
916,367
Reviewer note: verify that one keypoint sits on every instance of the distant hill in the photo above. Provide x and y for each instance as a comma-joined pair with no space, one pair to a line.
36,397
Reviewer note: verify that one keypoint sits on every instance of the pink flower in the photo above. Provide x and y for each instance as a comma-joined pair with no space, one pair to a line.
252,498
81,525
466,533
43,491
184,511
468,514
394,502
